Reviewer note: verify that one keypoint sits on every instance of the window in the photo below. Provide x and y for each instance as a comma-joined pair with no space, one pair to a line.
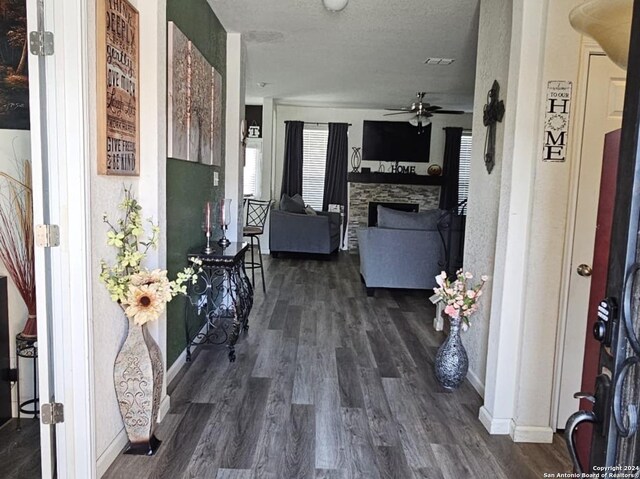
253,168
465,170
314,159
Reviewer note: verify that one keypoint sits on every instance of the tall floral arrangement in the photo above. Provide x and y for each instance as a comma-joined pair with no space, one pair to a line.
459,296
143,294
16,237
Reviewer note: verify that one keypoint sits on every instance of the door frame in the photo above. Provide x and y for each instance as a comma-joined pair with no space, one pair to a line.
587,49
60,143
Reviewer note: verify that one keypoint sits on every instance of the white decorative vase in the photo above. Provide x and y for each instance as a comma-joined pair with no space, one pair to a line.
137,377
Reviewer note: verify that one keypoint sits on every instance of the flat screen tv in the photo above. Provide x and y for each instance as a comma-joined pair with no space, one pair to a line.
395,141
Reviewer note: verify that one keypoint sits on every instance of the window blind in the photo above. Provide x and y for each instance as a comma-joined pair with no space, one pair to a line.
252,169
465,170
314,159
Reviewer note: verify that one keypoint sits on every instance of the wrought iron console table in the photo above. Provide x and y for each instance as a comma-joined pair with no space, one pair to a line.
222,292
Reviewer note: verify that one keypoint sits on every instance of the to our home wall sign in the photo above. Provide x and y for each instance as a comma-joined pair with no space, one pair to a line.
556,121
118,88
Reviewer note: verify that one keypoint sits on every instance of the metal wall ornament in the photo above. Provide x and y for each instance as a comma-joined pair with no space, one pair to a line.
493,113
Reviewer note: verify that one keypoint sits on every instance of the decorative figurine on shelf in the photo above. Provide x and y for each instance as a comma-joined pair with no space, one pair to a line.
356,159
206,227
225,220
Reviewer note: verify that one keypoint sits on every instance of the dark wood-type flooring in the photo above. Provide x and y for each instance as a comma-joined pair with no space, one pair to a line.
20,449
330,384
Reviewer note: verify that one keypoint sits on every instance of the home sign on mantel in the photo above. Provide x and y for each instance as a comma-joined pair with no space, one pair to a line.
117,88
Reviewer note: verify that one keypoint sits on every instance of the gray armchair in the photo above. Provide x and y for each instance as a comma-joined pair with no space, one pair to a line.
395,256
303,233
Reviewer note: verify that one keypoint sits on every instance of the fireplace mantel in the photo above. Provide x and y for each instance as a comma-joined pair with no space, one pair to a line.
395,179
361,193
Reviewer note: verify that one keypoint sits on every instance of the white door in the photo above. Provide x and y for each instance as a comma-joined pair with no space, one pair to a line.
603,114
41,214
58,104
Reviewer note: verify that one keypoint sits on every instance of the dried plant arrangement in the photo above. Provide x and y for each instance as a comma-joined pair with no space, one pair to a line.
16,237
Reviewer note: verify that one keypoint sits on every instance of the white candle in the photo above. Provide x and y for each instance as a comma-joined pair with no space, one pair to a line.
207,216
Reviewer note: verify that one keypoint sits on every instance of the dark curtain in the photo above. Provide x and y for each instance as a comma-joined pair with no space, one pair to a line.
450,169
335,176
292,170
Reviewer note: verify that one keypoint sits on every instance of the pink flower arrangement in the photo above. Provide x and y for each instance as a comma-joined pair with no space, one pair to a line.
460,296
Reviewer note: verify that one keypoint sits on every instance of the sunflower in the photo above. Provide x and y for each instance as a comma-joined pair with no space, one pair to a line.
144,303
157,278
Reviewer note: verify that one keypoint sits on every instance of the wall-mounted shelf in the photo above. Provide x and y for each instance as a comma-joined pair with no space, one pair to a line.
395,179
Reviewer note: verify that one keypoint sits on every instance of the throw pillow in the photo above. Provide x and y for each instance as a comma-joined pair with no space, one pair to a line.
405,220
298,199
310,211
290,205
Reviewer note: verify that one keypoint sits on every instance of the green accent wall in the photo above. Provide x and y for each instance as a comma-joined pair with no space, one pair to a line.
190,185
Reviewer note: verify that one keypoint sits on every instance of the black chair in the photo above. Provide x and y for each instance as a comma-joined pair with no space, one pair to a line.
257,211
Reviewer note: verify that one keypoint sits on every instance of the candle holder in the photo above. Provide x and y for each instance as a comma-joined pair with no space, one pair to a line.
207,227
225,219
356,159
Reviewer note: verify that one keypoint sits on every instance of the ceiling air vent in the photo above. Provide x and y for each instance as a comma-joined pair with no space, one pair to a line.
439,61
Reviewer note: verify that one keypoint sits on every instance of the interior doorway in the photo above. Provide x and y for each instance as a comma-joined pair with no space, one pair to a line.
603,113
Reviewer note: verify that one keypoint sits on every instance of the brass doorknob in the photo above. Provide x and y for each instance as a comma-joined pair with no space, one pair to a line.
584,270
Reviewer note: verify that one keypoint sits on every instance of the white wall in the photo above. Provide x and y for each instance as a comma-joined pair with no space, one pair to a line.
15,146
485,189
234,159
517,219
109,322
549,224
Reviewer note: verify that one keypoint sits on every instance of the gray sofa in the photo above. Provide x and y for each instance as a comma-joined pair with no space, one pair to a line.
404,251
304,233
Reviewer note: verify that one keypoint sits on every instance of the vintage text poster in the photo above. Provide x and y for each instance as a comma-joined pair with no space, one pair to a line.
118,84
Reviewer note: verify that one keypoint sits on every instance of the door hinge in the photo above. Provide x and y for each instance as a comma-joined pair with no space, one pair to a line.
41,43
52,413
47,236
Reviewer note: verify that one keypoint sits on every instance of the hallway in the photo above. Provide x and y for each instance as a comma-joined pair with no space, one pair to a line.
330,384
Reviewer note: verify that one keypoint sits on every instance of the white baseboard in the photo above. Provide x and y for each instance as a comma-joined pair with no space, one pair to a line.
538,434
493,425
476,383
112,451
177,365
165,405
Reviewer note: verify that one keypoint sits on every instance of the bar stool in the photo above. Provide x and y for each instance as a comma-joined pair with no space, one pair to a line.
257,211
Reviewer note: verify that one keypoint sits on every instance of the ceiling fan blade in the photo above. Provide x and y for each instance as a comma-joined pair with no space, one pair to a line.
449,112
432,108
400,113
400,109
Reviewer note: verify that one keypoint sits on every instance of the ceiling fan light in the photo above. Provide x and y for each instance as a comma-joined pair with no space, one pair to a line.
419,122
335,5
609,23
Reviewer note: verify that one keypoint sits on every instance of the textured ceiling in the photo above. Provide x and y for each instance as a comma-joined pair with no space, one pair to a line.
370,55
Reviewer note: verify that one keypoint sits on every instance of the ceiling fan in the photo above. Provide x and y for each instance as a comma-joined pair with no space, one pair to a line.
421,111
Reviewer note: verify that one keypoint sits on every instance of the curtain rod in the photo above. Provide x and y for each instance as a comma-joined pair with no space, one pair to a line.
464,130
315,122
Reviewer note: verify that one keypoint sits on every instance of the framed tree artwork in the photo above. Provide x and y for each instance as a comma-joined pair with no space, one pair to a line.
14,80
118,103
194,113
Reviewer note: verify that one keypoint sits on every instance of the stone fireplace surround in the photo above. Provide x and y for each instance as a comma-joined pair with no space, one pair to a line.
360,194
